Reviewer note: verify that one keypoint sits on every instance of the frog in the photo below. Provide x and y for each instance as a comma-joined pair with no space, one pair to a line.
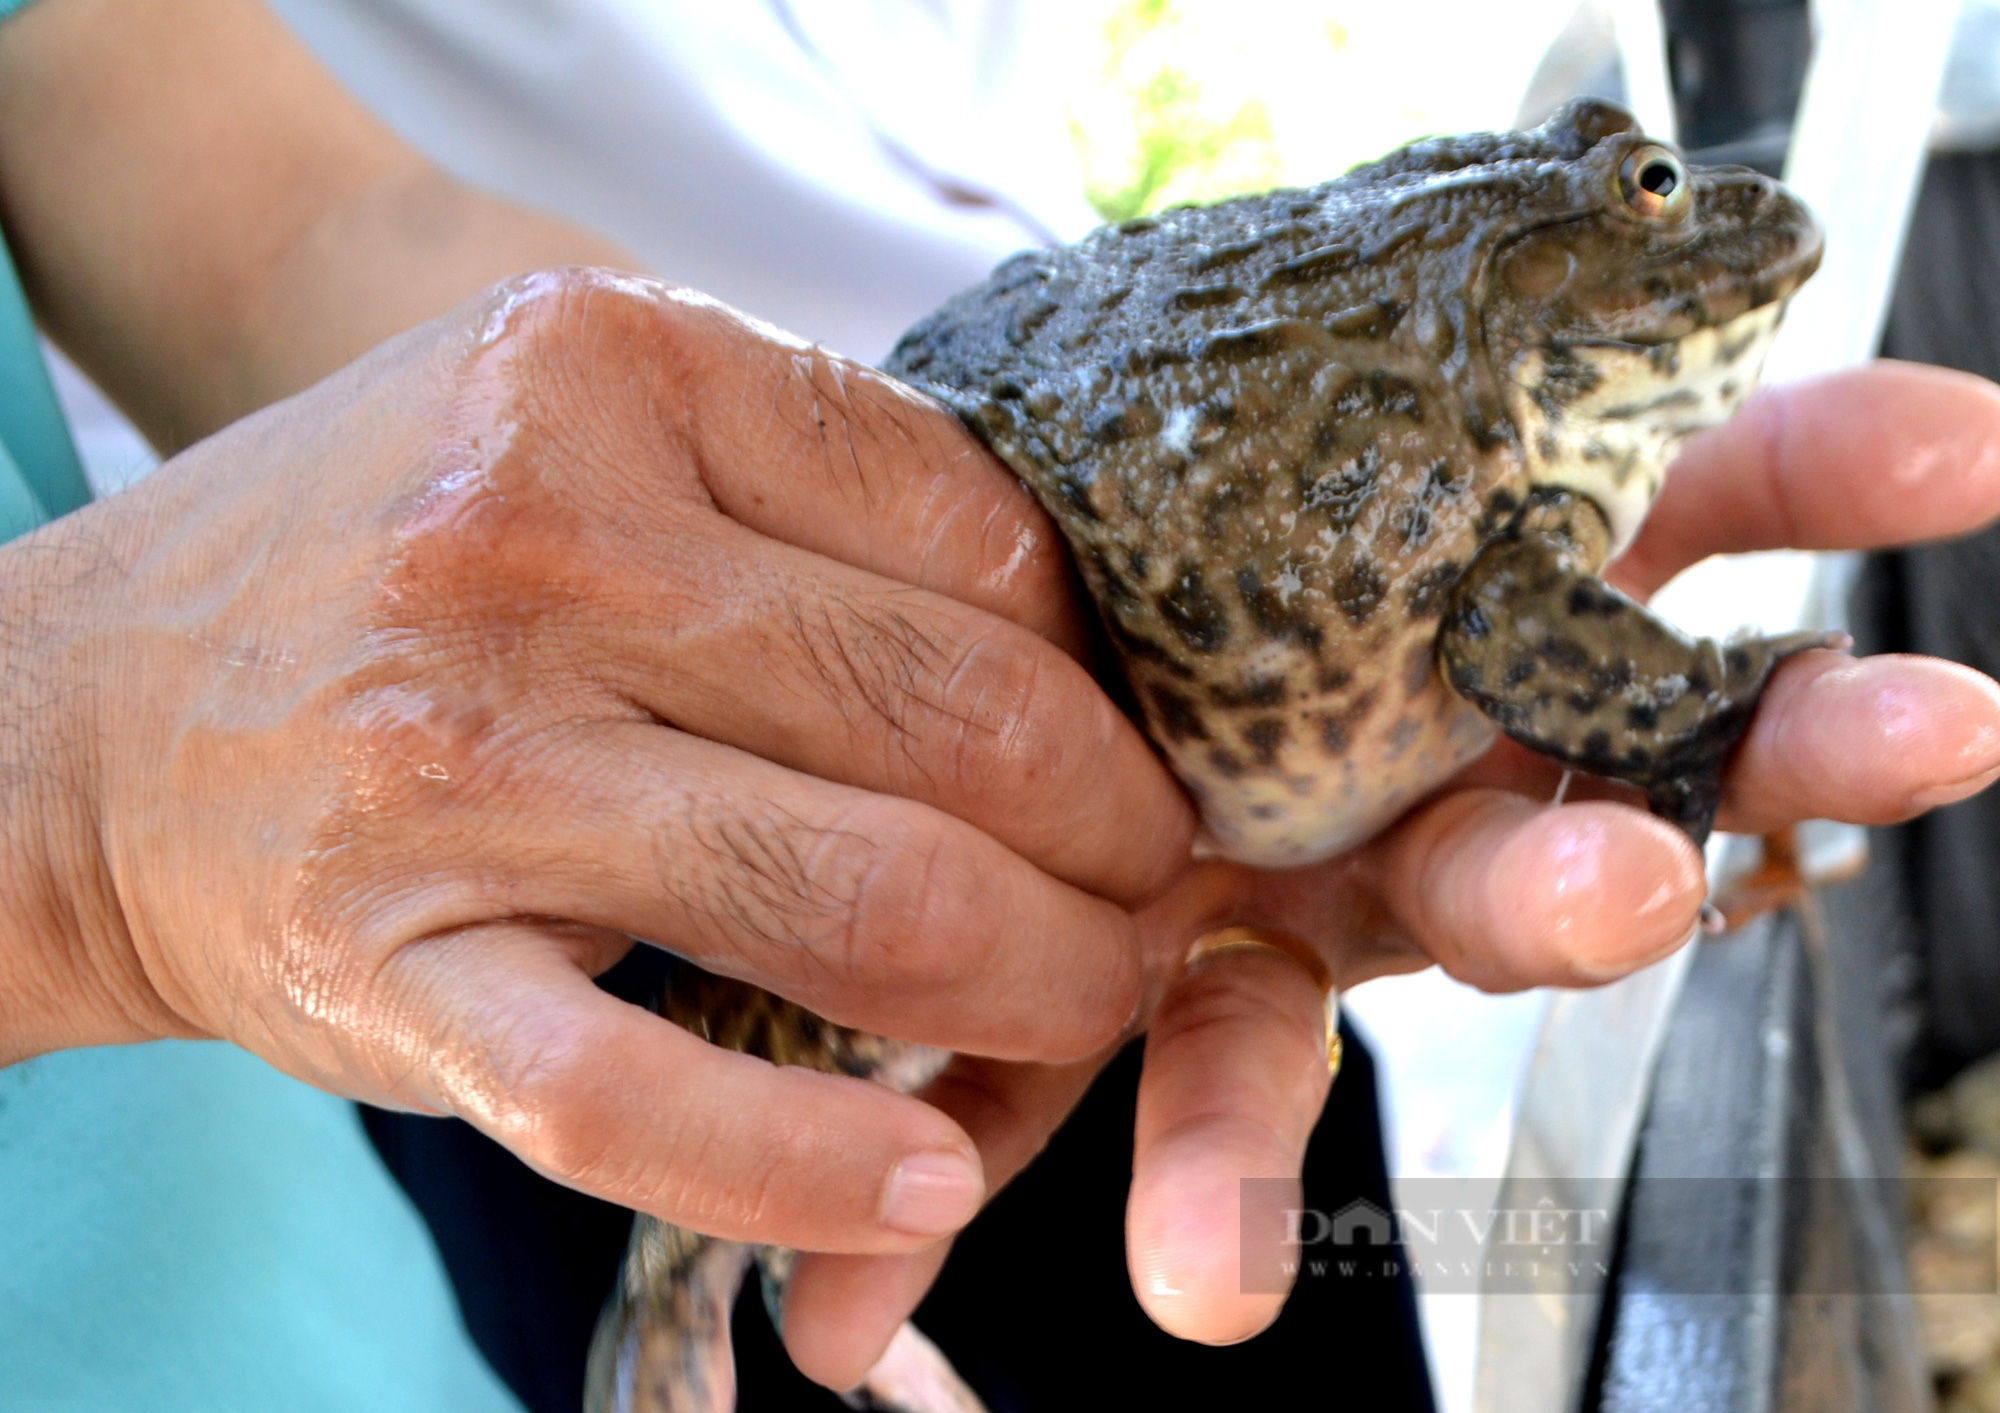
1340,468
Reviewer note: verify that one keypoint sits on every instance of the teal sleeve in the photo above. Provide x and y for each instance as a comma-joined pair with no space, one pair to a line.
20,511
40,477
31,424
183,1229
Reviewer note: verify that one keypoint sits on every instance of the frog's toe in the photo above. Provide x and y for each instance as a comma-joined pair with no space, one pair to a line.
1684,784
914,1376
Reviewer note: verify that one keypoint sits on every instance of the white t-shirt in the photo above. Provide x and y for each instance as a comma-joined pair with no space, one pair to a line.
837,167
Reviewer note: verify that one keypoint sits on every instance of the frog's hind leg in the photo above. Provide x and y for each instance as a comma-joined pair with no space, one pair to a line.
662,1344
912,1376
1576,671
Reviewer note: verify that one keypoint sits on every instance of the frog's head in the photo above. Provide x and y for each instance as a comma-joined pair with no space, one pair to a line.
1631,302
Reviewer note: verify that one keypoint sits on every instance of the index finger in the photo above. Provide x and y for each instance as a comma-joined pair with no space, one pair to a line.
1887,454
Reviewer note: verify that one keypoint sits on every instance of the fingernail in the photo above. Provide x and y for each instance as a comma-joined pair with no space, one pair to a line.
1951,794
933,1194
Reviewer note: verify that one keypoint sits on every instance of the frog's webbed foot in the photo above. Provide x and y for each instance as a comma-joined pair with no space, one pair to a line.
1576,671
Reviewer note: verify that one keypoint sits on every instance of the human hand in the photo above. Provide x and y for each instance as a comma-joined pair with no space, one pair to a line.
365,732
1486,879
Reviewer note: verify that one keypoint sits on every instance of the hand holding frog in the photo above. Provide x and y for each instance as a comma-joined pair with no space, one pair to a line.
1486,879
1340,466
368,730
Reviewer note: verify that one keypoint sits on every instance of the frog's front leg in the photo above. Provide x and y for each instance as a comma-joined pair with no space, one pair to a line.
1575,670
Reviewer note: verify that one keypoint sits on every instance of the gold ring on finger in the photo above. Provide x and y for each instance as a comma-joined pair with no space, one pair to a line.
1270,939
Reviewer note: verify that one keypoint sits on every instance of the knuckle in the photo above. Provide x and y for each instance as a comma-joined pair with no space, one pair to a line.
906,904
603,343
771,883
685,1190
1007,747
1019,721
912,930
567,301
717,1180
542,1098
986,717
1021,561
755,1196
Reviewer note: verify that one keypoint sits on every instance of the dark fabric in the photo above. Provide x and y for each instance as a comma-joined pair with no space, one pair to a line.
1737,68
1034,1305
1037,1310
1874,962
530,1260
1946,308
1937,875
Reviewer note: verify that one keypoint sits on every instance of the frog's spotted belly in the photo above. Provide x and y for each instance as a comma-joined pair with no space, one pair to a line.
1282,787
1285,785
1277,600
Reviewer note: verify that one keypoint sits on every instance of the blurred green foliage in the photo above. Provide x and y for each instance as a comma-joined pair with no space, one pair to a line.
1150,134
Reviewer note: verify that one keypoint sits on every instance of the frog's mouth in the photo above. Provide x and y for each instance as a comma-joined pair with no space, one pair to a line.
1605,418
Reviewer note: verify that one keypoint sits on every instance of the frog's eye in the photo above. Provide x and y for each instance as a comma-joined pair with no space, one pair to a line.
1653,182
